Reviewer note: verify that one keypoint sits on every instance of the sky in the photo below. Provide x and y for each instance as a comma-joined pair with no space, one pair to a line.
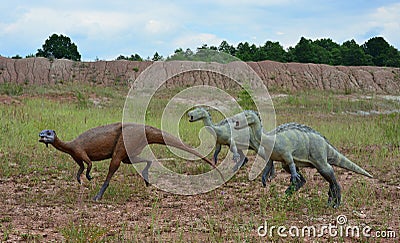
106,29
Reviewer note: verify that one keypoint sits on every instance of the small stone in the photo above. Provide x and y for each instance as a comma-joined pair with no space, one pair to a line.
361,215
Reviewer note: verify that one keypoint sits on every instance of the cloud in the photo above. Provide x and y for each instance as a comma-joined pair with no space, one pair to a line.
158,26
194,40
108,29
385,21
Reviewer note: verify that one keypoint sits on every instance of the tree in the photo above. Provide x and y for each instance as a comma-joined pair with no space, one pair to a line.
16,57
157,57
306,51
271,51
135,57
245,51
59,46
225,47
330,53
353,55
382,53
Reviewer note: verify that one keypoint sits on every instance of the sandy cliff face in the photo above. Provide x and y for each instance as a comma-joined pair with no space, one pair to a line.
275,75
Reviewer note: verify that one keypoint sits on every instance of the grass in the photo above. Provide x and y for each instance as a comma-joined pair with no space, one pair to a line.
83,233
41,182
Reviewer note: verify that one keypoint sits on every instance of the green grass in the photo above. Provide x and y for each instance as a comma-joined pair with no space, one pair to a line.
230,213
83,233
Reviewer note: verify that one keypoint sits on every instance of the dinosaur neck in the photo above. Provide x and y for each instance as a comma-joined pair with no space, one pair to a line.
208,122
267,141
257,131
62,146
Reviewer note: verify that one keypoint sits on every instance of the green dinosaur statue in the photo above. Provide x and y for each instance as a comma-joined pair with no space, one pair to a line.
299,145
223,133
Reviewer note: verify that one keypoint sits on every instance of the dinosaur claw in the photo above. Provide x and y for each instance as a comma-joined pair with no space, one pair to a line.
264,184
236,158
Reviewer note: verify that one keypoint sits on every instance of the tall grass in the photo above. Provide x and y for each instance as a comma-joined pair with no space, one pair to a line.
370,141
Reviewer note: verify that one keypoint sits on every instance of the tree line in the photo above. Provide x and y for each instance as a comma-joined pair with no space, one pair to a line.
374,52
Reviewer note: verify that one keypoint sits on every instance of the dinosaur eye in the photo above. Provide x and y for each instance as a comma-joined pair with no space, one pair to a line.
48,133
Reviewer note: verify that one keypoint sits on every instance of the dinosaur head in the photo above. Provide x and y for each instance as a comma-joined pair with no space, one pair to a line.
198,114
246,118
47,136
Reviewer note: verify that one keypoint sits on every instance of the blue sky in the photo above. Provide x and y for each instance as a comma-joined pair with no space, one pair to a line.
107,29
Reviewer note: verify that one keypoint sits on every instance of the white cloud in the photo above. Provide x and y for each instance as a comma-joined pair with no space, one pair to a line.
104,29
158,27
386,20
193,40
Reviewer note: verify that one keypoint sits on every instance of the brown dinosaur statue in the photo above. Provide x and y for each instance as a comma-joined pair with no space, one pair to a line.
107,141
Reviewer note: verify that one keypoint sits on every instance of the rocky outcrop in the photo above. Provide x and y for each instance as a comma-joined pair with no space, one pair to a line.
45,71
275,75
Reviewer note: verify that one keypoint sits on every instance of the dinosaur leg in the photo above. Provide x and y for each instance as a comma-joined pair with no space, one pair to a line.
294,186
269,170
217,150
268,173
80,171
296,179
236,156
334,194
242,160
114,165
89,166
145,172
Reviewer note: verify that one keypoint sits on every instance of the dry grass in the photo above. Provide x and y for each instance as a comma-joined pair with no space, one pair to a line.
41,201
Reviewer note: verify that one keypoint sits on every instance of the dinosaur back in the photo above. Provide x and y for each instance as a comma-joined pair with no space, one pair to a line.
299,127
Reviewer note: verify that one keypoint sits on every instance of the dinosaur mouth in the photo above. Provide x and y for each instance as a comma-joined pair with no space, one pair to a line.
44,140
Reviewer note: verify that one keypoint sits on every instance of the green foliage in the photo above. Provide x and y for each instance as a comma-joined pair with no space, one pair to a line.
157,57
231,213
83,233
59,46
11,89
353,55
375,51
82,100
245,100
135,57
16,57
391,128
203,54
382,53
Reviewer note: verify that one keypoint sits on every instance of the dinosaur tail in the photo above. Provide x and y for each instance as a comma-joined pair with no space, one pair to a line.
156,136
341,161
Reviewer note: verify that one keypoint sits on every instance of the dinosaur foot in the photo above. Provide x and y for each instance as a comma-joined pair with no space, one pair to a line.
334,196
271,175
290,190
240,164
244,162
333,202
146,178
334,199
295,185
268,177
97,198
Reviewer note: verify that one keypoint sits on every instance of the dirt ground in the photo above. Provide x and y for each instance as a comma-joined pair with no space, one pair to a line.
56,208
154,215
